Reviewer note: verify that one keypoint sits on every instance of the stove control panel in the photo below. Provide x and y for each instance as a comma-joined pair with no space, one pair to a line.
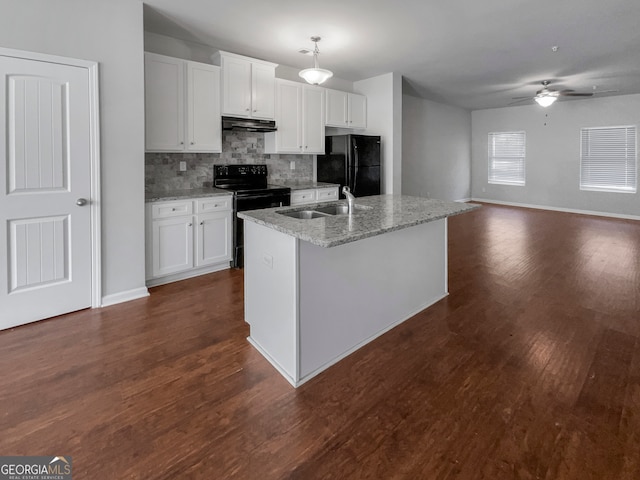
239,171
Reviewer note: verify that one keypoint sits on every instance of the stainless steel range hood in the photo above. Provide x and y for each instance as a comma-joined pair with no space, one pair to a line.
248,124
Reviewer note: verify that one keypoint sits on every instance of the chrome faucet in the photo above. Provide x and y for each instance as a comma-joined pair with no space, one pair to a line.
351,200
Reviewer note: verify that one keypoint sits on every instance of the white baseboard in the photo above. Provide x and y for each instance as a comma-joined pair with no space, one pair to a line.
463,200
559,209
124,296
154,282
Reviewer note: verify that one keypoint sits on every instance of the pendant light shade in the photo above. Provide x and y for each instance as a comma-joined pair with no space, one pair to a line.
316,75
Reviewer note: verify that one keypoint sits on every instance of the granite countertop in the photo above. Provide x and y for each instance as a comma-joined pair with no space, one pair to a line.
303,184
387,213
181,194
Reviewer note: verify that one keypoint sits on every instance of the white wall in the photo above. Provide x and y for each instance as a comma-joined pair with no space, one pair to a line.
436,150
553,152
384,118
111,34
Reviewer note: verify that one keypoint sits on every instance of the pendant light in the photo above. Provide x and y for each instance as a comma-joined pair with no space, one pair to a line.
316,75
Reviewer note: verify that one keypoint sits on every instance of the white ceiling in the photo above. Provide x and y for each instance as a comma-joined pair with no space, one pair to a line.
470,53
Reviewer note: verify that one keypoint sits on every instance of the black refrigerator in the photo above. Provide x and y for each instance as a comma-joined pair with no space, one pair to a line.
352,160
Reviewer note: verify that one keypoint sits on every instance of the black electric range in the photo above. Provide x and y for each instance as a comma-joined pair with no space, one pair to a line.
250,192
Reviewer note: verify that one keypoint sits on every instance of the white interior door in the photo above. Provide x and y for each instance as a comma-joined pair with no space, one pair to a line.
45,190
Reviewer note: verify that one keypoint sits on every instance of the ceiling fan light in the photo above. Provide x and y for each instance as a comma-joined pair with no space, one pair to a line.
316,76
545,100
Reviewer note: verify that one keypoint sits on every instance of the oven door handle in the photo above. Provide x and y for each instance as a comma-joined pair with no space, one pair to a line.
258,197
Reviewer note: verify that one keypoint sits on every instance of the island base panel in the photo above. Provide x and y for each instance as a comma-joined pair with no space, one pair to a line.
271,294
350,294
309,306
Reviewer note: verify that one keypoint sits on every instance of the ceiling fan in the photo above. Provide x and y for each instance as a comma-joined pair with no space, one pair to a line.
545,96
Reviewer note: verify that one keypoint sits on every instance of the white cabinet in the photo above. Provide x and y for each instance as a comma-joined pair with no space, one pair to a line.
327,194
302,197
182,105
300,119
172,245
345,109
248,86
188,237
164,103
204,130
314,195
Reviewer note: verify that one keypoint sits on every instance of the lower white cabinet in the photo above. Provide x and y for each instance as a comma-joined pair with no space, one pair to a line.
213,241
188,237
314,195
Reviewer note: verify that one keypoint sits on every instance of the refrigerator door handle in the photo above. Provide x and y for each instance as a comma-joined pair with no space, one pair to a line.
356,164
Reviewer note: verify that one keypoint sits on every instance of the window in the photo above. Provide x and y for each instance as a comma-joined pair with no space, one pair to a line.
506,158
608,159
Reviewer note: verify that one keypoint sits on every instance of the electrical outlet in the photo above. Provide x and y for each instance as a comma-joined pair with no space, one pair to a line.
183,166
292,164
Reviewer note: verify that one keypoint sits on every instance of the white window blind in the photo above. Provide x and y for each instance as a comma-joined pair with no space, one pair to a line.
506,157
608,159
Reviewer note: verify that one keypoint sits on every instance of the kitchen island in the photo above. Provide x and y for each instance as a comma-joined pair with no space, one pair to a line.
318,289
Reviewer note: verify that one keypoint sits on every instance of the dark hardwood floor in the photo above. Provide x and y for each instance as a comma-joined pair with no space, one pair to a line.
529,369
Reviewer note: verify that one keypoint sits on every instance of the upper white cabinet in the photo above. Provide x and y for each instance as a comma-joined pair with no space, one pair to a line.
248,86
204,132
300,119
164,103
347,110
182,105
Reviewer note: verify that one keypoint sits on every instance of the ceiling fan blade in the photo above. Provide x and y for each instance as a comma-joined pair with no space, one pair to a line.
522,100
605,91
571,94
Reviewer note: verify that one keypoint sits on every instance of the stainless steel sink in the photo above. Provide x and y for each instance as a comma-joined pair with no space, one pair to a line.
305,214
341,209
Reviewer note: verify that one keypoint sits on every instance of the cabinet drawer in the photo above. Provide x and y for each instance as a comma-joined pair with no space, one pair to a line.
327,194
299,197
171,209
213,204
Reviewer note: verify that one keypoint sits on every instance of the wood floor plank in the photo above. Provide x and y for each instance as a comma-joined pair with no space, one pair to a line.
529,369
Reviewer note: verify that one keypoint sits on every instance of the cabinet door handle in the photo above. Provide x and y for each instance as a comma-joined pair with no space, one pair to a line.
202,222
173,209
190,225
193,143
181,143
247,109
255,110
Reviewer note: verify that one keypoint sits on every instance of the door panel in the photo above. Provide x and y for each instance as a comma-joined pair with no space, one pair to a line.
203,106
313,119
366,181
45,147
214,238
366,150
37,114
38,249
164,103
289,135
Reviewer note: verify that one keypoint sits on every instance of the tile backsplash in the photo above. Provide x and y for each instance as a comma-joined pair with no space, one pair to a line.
162,170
